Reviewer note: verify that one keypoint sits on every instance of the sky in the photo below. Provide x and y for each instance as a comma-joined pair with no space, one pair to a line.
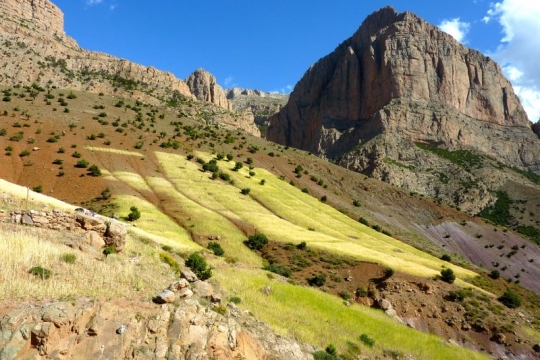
269,45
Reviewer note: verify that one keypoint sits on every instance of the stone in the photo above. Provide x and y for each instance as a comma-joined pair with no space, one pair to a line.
115,235
189,275
167,296
500,338
92,239
203,289
27,220
385,304
91,223
179,285
265,290
185,293
536,347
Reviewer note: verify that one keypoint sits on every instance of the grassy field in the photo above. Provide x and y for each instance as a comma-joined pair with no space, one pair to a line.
34,198
286,214
22,249
319,318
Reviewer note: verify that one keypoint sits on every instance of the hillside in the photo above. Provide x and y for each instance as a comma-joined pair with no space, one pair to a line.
351,261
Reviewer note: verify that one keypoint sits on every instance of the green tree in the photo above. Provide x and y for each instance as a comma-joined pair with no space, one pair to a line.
448,275
510,299
198,265
256,241
135,214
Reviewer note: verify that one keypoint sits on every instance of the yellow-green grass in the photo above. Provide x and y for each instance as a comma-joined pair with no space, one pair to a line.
535,334
114,151
285,214
115,276
203,221
21,192
154,222
318,318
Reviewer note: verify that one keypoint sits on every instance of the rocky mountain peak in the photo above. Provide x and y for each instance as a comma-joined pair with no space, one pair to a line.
398,82
204,87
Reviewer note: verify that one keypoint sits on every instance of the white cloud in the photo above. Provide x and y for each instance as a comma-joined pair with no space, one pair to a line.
112,7
228,81
519,49
458,29
93,2
284,90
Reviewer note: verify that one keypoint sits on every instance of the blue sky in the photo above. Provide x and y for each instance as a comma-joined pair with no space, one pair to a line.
268,45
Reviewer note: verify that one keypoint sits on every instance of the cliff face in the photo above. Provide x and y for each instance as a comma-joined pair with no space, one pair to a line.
394,56
42,13
204,87
399,81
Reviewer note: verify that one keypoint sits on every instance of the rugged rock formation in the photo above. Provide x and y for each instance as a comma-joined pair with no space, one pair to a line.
41,13
204,87
259,105
399,81
56,59
88,329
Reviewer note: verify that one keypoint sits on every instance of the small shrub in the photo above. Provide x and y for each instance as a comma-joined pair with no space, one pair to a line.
68,258
169,260
220,309
40,272
76,155
252,173
388,272
446,257
510,299
38,189
216,248
256,241
448,275
235,300
324,199
356,203
94,170
317,280
262,182
345,295
363,221
245,191
134,214
58,161
238,166
109,250
366,340
198,265
302,246
305,190
82,164
24,153
494,274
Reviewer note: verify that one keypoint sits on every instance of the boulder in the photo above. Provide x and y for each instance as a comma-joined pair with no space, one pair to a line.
91,223
92,239
189,275
203,289
179,285
115,235
536,347
385,304
166,297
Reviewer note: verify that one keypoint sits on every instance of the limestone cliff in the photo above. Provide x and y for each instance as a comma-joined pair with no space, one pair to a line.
204,87
36,49
260,106
399,81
